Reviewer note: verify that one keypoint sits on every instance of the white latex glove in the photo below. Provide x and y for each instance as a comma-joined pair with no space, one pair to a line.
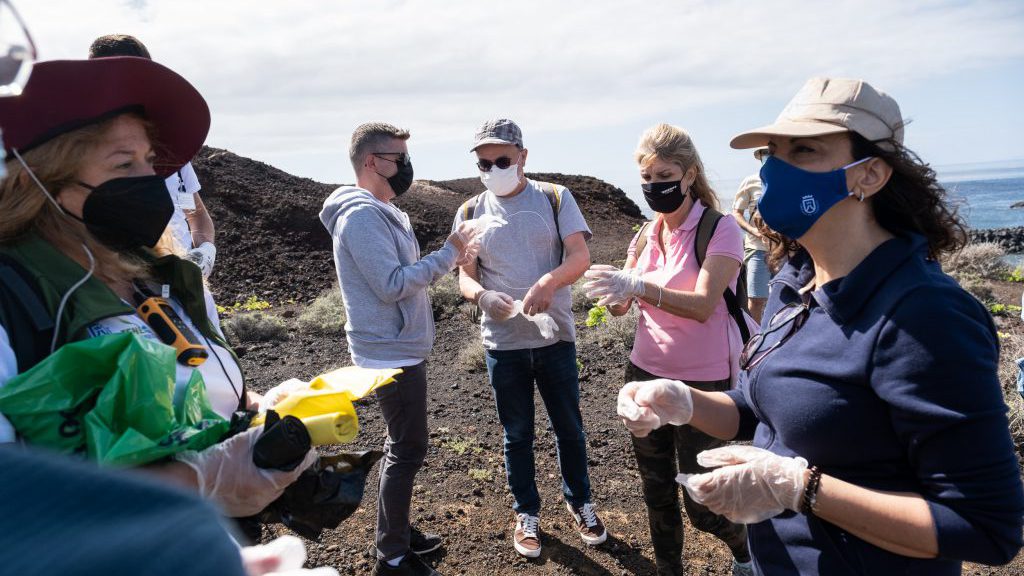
279,393
639,420
466,239
204,256
545,323
226,474
645,406
751,486
497,305
611,285
282,556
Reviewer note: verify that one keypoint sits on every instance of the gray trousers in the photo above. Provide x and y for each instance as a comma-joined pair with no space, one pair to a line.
403,403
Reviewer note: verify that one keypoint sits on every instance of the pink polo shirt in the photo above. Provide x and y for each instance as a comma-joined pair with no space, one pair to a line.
675,347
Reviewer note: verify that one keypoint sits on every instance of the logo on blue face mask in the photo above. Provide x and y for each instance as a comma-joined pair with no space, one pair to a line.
808,205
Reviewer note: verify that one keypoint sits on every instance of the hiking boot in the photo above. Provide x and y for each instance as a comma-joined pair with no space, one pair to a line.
423,542
742,568
411,565
526,538
590,527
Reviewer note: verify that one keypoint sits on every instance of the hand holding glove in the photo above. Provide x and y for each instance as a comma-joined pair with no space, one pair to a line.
226,474
646,406
751,486
204,256
497,305
611,285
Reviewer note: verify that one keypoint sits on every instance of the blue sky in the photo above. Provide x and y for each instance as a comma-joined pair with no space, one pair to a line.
287,82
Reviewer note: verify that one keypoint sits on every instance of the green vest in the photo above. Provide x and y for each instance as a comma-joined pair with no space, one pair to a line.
35,276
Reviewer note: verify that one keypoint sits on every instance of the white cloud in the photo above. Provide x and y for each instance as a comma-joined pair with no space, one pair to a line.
285,79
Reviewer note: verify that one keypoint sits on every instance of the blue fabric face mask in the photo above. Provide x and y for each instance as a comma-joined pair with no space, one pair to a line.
794,199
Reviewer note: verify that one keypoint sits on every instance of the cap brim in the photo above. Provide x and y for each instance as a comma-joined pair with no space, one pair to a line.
760,136
490,141
65,95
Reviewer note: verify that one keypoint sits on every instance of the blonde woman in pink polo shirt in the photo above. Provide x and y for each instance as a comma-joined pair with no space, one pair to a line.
683,332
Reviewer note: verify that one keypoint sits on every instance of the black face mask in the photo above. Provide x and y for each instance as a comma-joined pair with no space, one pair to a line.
127,213
400,181
664,197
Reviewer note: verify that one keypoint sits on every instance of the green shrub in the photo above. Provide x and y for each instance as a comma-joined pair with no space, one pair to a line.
1016,275
256,327
325,315
597,316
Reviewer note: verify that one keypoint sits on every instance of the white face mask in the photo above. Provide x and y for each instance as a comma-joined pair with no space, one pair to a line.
501,182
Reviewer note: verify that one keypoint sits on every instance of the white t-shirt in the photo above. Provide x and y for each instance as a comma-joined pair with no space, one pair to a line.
223,385
182,186
745,202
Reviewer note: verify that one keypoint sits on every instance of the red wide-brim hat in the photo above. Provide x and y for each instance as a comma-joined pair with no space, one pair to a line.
64,95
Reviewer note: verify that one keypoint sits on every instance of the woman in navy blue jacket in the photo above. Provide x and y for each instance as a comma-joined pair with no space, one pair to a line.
880,438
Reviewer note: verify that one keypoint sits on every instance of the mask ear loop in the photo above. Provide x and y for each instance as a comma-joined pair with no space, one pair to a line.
88,253
860,198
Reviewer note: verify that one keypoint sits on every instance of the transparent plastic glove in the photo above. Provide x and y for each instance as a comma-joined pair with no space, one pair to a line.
612,286
279,392
204,256
487,222
639,420
545,323
497,305
226,474
751,486
669,399
465,234
282,556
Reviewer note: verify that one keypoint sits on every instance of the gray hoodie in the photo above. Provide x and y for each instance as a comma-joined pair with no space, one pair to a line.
383,280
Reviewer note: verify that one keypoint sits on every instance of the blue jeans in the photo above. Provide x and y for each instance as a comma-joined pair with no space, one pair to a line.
1020,375
512,374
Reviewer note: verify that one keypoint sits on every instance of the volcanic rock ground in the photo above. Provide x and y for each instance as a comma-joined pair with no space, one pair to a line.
271,245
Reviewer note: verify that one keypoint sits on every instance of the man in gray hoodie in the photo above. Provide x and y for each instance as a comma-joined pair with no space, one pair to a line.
390,323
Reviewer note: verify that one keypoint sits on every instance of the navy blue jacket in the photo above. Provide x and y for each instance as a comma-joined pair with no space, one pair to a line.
890,384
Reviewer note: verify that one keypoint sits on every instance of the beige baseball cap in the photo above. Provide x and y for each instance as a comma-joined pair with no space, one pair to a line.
832,106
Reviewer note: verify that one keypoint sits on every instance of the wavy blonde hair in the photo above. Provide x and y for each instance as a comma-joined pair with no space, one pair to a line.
673,144
26,209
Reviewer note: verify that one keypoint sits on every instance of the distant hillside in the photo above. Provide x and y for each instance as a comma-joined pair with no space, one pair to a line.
270,242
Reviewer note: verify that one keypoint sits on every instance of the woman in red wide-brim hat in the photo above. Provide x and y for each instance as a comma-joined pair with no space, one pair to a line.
84,233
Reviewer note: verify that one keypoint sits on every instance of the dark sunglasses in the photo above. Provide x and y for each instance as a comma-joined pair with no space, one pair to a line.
400,158
791,317
485,165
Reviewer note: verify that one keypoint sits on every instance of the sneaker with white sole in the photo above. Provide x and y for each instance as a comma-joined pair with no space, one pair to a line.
526,537
590,527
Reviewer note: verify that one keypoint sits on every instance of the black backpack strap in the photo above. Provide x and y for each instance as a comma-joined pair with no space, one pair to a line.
705,231
26,320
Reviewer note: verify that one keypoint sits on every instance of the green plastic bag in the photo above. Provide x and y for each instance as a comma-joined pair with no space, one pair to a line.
112,397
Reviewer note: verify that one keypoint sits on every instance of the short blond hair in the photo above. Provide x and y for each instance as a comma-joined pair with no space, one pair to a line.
372,135
673,144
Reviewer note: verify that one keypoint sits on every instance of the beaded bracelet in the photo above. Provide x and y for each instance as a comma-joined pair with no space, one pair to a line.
810,497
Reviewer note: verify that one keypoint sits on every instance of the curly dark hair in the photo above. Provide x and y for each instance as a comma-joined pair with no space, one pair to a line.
912,201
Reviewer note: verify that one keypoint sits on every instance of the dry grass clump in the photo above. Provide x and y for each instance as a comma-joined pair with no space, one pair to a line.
445,298
256,327
1012,348
472,358
975,266
325,315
